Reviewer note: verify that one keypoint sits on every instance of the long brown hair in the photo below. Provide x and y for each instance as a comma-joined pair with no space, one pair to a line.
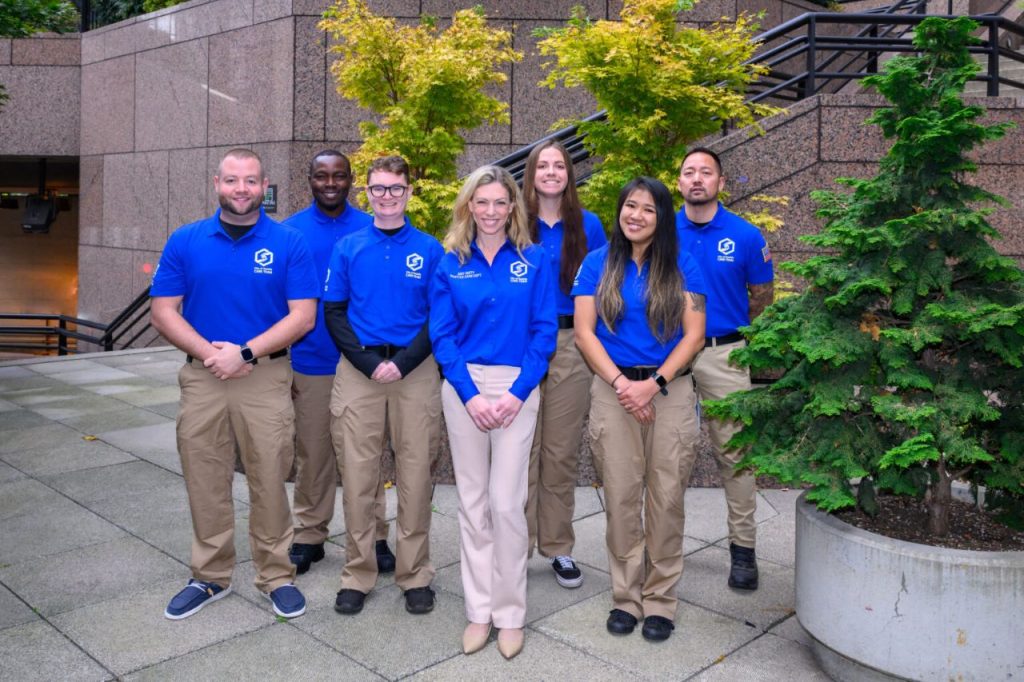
664,294
574,241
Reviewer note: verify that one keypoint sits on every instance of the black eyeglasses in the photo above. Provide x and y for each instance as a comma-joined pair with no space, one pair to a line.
380,190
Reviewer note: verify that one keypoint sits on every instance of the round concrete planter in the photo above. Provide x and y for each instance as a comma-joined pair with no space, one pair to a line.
879,608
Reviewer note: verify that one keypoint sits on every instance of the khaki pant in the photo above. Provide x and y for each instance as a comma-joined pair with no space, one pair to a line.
490,477
255,412
361,411
316,466
716,378
645,470
564,401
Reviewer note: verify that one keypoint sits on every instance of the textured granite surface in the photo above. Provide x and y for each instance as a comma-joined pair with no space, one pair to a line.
135,200
251,84
171,96
108,106
46,49
40,118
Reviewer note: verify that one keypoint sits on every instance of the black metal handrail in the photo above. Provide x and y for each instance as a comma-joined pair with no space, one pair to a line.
67,328
882,31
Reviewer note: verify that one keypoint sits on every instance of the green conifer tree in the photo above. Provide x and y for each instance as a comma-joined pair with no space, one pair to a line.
902,358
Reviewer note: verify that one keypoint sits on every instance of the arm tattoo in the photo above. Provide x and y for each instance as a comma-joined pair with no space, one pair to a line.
761,296
698,301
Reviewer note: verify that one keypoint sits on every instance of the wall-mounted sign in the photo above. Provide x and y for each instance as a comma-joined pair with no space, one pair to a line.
270,199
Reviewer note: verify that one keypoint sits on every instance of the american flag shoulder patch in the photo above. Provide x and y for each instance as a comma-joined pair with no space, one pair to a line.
766,253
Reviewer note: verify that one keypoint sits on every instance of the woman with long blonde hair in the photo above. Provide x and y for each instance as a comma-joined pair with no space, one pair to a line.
493,327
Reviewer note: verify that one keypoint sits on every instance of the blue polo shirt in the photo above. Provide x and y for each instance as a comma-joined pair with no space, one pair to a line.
632,344
731,253
502,313
551,237
385,280
315,353
235,290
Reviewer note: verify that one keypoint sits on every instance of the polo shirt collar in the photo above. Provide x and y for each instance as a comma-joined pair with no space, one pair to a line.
325,219
473,248
402,236
715,219
258,230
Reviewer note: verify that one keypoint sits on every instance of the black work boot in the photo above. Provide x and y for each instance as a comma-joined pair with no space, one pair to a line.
743,574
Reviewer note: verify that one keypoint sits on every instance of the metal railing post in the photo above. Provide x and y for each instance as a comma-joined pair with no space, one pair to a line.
62,338
872,64
993,59
809,84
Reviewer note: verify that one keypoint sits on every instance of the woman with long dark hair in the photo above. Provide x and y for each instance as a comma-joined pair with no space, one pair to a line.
492,324
639,323
568,233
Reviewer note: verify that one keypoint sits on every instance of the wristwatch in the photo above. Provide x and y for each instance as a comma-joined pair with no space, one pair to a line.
247,355
662,383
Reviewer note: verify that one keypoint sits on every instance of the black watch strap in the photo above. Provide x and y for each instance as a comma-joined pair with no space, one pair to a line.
247,355
662,383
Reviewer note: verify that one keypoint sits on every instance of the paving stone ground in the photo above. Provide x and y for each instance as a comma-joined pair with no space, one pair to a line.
95,533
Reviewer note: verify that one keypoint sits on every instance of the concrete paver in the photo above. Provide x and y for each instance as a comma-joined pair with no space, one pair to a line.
38,651
277,652
95,539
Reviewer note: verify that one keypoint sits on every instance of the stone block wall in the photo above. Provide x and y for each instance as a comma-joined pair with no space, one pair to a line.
164,95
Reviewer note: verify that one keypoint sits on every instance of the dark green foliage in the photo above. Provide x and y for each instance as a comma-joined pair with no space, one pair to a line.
901,361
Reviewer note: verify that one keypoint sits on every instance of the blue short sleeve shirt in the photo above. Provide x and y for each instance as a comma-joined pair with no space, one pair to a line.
731,253
498,313
632,344
315,353
551,237
235,290
385,280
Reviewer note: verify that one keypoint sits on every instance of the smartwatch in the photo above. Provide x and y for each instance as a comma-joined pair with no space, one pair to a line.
247,355
662,383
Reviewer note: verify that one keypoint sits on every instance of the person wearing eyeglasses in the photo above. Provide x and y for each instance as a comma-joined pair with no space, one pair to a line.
376,307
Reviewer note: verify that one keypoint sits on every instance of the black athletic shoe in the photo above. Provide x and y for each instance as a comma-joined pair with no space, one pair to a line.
349,602
657,628
419,600
620,622
567,573
385,559
743,574
303,556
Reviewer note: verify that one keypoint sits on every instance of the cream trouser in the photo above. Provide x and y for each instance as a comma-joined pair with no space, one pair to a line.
491,479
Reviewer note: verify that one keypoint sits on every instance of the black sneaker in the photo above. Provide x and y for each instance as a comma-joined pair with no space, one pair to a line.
385,559
620,622
657,628
349,602
419,600
743,574
567,573
303,556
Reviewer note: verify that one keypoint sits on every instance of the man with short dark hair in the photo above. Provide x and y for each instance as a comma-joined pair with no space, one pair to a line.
233,291
314,360
737,267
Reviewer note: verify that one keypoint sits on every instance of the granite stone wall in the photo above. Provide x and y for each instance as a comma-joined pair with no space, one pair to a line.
164,95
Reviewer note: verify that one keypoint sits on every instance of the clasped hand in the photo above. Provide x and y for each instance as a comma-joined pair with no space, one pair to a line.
499,414
227,362
636,397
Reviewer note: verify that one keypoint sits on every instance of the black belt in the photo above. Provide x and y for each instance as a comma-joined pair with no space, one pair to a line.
722,340
565,321
385,350
273,356
642,373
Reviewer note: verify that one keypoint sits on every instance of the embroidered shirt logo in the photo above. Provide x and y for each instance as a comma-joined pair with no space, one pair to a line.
726,249
518,270
264,259
414,262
